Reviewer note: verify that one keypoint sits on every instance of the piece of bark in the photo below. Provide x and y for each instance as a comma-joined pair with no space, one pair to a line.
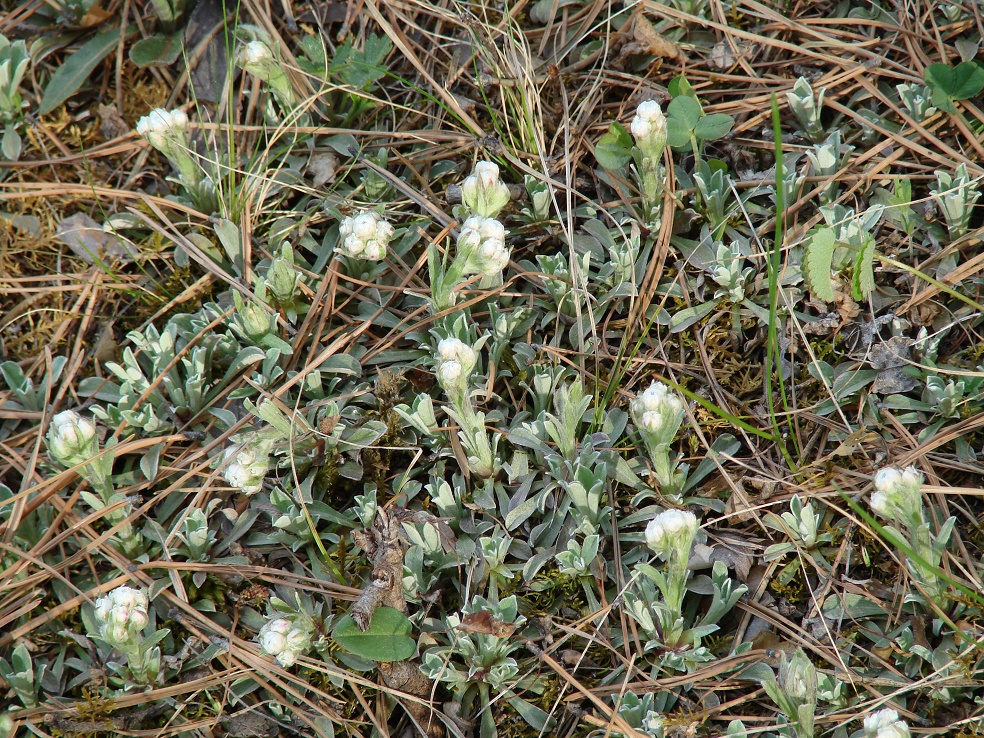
384,549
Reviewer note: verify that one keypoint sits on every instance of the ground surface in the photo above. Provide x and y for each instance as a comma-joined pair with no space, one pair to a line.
280,436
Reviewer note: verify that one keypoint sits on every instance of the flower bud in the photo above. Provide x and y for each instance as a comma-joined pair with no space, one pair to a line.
72,439
649,129
258,59
885,724
455,362
798,678
253,320
483,193
282,278
364,236
248,467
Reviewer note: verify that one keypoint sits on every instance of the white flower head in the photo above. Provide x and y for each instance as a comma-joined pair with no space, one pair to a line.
256,52
483,193
284,640
482,243
671,533
885,724
161,128
72,439
898,495
455,362
122,615
798,678
365,235
248,466
649,129
658,412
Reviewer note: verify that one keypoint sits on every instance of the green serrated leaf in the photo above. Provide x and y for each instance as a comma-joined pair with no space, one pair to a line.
75,70
156,50
713,127
818,257
386,639
613,150
864,273
361,68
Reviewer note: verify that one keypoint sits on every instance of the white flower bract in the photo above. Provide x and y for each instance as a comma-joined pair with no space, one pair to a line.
256,52
658,412
898,495
161,128
122,615
885,724
482,244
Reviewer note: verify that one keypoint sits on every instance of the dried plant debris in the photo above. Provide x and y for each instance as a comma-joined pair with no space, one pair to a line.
411,369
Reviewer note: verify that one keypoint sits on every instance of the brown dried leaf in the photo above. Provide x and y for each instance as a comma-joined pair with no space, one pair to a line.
650,42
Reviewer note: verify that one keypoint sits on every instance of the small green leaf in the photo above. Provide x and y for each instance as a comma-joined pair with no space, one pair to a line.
613,150
387,639
688,316
156,50
713,127
75,70
679,86
818,257
958,83
686,110
864,274
228,233
11,144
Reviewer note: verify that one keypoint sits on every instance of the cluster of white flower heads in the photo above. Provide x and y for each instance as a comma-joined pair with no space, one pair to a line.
163,128
672,532
248,467
658,411
649,129
122,615
898,495
455,362
283,640
72,439
365,235
885,724
482,242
